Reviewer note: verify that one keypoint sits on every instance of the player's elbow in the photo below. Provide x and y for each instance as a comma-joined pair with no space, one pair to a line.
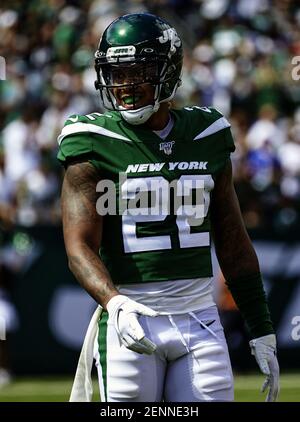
79,252
75,254
73,262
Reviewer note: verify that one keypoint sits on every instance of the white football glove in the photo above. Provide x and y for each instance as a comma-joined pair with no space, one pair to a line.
123,312
264,350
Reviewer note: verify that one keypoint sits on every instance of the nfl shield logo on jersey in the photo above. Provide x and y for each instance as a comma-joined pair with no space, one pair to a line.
166,147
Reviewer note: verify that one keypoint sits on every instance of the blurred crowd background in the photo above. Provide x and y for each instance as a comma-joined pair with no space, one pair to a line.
238,58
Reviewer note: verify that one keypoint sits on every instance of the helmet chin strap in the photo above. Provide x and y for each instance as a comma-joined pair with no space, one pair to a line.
141,115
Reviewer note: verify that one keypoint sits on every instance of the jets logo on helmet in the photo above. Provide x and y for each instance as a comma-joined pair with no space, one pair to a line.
171,35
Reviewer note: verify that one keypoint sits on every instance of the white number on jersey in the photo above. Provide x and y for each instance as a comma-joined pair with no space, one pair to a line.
158,212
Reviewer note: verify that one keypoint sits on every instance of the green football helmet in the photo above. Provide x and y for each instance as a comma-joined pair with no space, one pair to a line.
145,49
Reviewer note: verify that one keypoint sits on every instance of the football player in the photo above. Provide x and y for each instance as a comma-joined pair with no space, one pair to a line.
149,266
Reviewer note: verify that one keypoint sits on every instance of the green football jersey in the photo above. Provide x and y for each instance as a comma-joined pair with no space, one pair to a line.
154,242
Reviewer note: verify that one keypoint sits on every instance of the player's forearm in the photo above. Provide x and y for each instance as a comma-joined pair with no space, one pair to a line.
91,273
241,272
249,295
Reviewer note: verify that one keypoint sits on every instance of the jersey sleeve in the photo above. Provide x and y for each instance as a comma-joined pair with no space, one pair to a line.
223,126
220,127
228,140
208,122
75,140
210,129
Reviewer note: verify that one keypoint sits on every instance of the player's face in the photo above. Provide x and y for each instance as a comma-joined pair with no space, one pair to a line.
136,85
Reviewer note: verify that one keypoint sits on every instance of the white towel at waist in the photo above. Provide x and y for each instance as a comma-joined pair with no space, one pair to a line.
82,390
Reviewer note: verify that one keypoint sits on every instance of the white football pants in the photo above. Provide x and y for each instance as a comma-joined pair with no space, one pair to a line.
191,362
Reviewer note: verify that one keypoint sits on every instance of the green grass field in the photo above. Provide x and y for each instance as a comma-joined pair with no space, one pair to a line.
46,389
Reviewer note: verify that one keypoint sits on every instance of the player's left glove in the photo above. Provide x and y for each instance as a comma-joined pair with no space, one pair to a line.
264,350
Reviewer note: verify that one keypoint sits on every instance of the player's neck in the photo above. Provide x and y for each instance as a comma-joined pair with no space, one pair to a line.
160,119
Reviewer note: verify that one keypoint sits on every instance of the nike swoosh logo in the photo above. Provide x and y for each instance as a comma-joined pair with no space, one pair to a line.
208,323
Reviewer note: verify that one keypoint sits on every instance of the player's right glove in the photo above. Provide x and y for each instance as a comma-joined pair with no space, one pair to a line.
264,350
124,312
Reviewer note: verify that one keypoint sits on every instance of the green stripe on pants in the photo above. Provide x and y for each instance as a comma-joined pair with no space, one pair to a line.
102,345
